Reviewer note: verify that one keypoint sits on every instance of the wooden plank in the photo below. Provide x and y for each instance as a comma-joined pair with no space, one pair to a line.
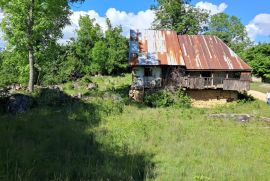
238,85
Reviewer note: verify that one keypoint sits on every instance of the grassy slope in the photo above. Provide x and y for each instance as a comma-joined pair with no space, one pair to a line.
188,145
261,87
102,138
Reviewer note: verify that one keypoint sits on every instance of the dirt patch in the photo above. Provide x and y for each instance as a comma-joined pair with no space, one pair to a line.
257,95
208,103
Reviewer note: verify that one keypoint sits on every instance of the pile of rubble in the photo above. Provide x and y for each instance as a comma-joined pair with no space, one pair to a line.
136,95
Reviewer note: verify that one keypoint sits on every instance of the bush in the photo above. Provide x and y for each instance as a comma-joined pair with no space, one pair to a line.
69,86
86,80
165,98
51,97
244,98
181,99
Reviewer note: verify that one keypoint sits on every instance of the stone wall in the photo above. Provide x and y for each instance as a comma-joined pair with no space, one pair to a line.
209,94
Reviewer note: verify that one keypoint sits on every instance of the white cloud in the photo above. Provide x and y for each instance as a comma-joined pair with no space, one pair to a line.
211,8
141,20
259,26
70,30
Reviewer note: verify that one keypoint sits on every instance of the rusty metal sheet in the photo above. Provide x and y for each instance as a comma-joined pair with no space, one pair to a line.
152,47
202,52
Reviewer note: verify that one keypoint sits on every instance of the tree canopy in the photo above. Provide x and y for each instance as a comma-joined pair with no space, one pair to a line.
259,59
179,15
33,25
230,30
102,53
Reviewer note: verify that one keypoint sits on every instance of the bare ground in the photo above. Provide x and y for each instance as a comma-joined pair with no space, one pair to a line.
257,95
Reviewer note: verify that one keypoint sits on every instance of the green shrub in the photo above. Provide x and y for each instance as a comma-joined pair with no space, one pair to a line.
166,98
181,99
111,103
244,98
86,80
69,86
158,99
51,97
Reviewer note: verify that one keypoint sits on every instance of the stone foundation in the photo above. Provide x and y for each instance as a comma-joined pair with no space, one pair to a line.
208,94
136,95
209,98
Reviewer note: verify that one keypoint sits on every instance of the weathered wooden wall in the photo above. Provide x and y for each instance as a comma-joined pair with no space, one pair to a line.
238,85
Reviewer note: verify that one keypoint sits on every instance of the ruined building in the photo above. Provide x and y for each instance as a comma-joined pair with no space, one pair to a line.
201,63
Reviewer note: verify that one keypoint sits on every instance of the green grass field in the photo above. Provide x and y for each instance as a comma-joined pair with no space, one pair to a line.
107,137
261,87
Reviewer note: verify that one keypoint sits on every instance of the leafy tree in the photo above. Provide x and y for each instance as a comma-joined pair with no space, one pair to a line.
117,46
88,34
13,68
50,66
100,53
31,25
230,30
179,15
100,58
258,58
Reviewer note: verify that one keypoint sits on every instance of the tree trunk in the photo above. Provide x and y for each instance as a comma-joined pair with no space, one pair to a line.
31,47
31,70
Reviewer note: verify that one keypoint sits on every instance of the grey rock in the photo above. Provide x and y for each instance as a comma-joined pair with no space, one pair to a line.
76,85
91,86
18,103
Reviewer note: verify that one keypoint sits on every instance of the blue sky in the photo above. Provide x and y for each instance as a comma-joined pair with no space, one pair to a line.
136,14
245,10
101,6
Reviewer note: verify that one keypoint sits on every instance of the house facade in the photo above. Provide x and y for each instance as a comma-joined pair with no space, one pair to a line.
193,62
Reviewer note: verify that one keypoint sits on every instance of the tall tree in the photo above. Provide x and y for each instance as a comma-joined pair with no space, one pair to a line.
179,15
100,53
230,30
258,58
117,46
30,26
88,34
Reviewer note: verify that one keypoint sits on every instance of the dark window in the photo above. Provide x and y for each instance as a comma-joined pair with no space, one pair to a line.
236,75
206,74
147,72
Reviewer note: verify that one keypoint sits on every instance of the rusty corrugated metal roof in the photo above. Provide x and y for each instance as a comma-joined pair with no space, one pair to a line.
152,47
202,52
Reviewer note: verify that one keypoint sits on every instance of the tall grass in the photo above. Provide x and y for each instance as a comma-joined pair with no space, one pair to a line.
190,146
107,137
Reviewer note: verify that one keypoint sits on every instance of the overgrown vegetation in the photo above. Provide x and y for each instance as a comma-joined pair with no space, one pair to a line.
106,137
166,98
91,53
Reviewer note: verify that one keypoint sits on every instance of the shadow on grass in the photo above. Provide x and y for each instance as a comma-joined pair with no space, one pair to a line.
244,97
53,142
121,91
